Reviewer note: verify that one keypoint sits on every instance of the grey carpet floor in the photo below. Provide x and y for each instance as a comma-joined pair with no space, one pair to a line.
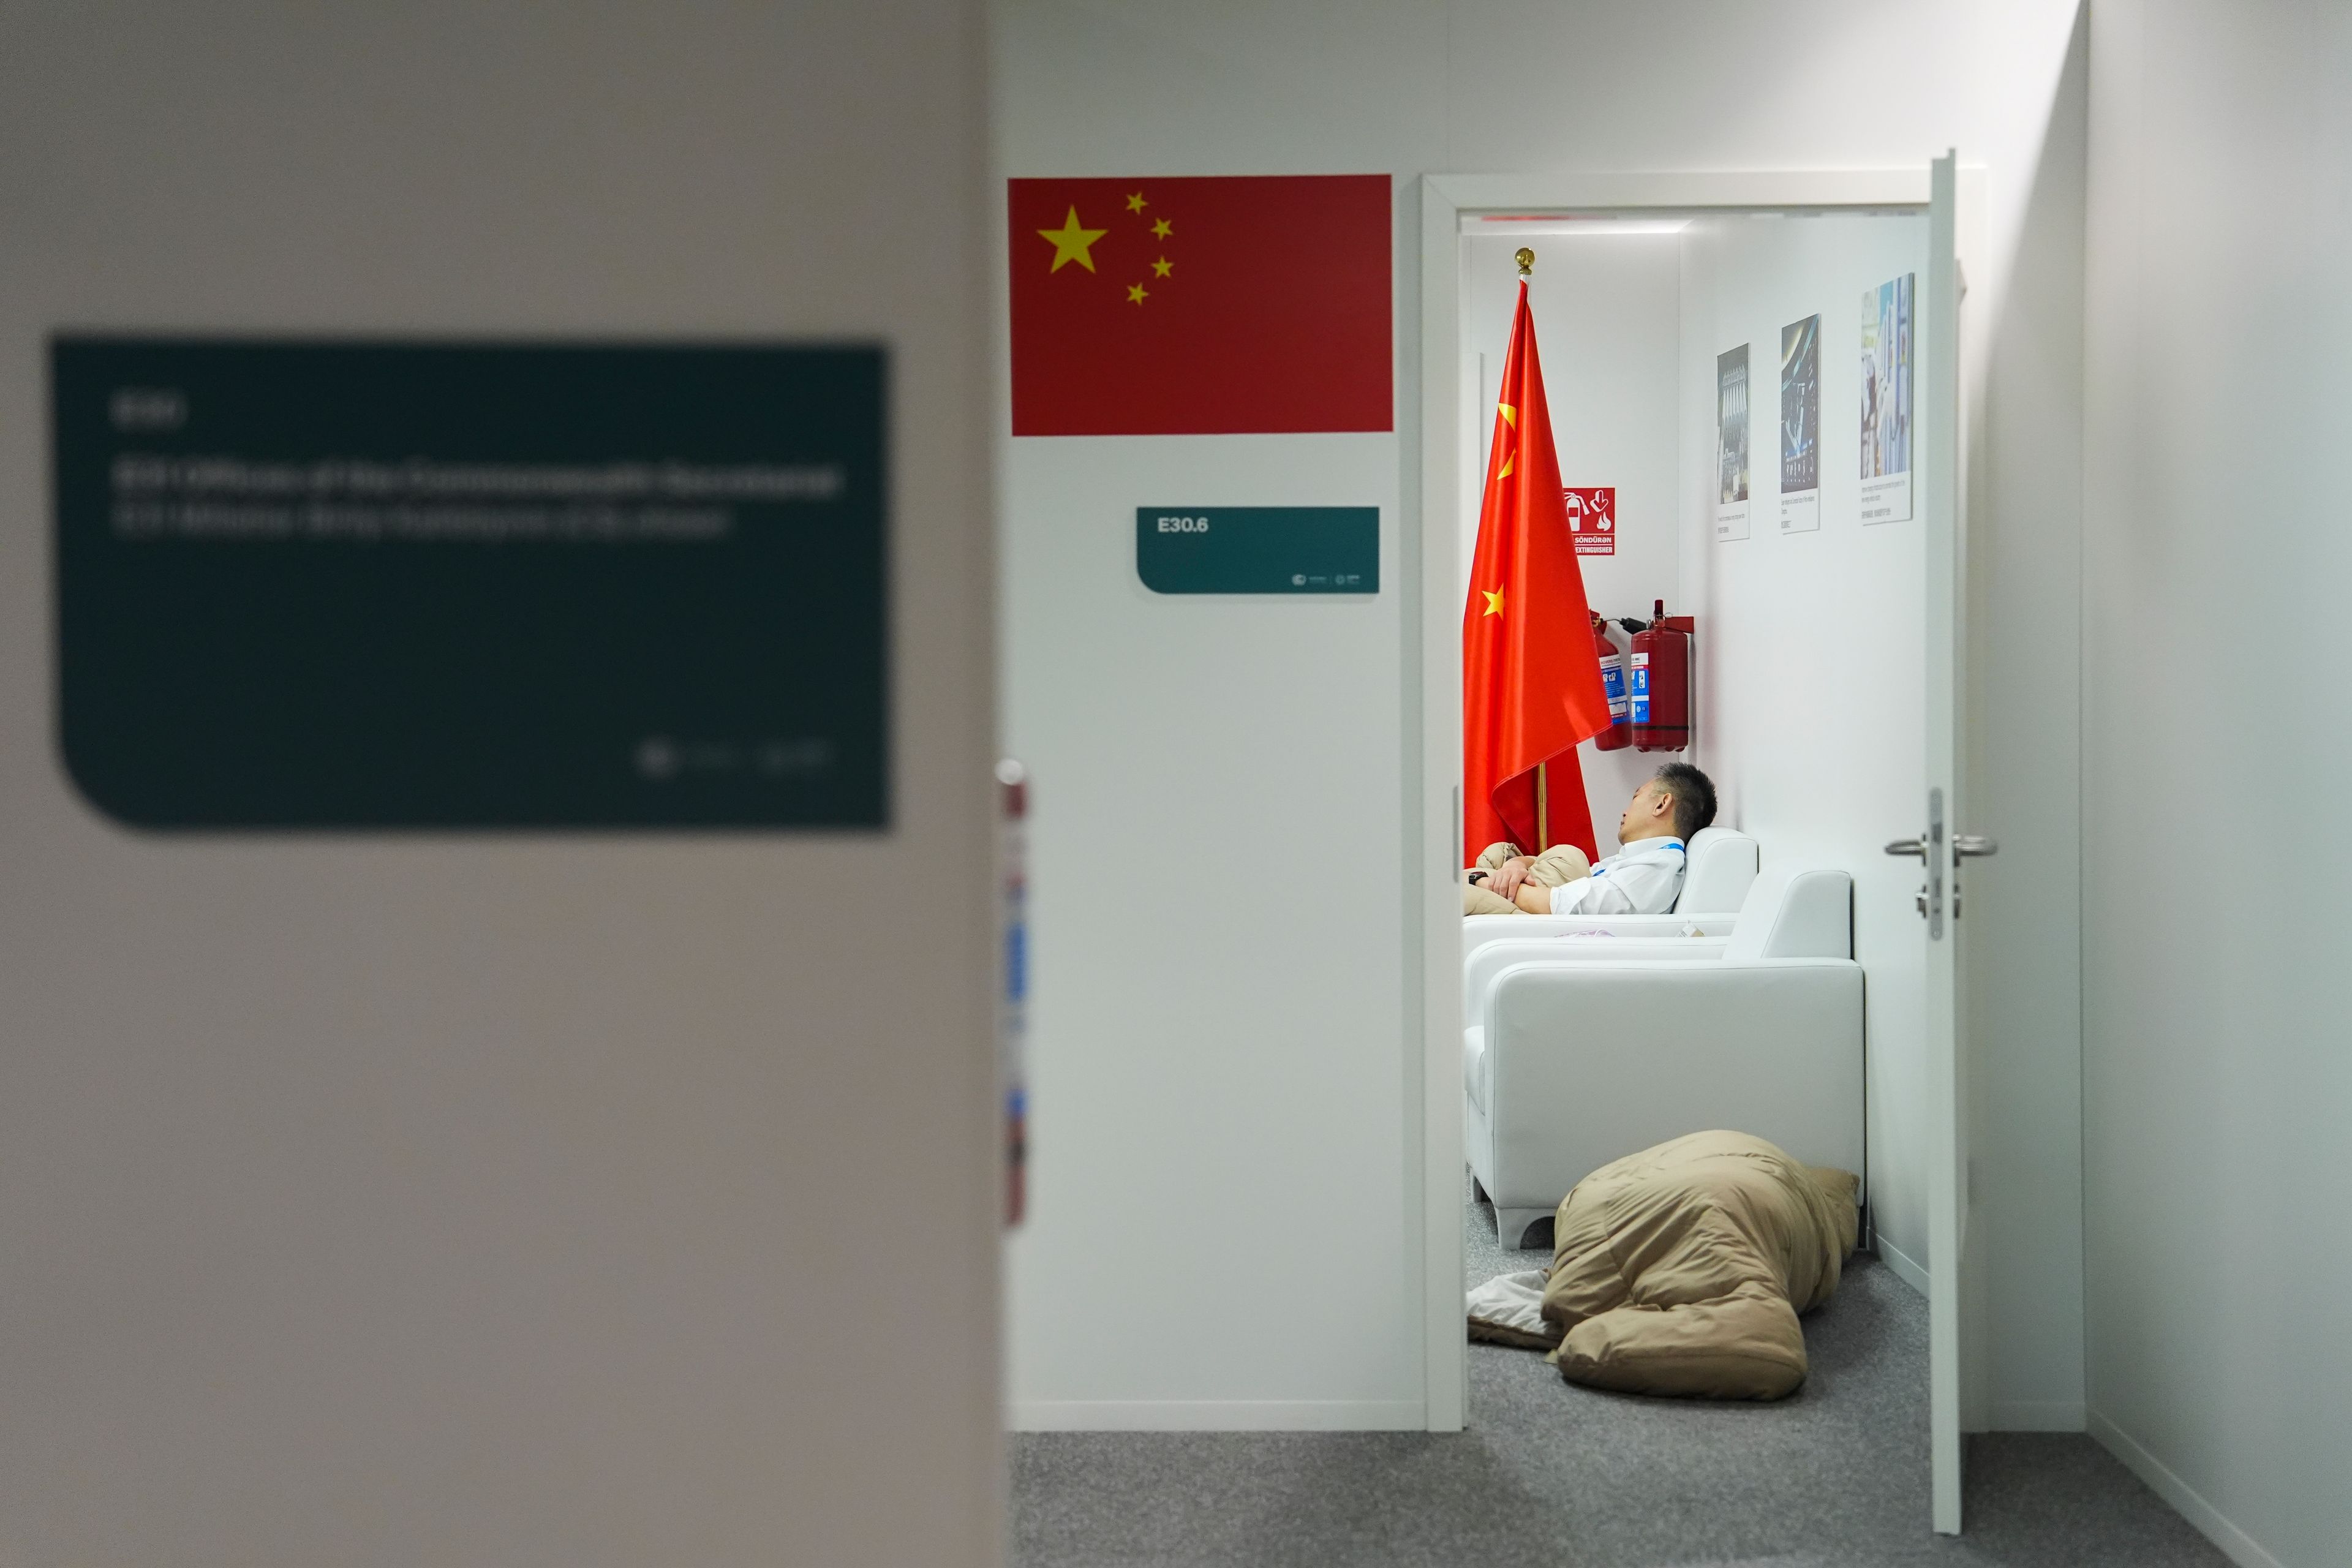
1835,1476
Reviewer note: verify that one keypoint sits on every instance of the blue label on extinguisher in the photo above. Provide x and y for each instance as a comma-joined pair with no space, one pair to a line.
1612,686
1641,688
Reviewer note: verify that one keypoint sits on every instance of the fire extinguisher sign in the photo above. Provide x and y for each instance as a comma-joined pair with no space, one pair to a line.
1593,518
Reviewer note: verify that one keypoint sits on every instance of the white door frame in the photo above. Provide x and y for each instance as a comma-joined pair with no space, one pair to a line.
1432,680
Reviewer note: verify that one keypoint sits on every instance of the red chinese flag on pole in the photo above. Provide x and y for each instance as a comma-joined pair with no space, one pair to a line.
1530,680
1200,306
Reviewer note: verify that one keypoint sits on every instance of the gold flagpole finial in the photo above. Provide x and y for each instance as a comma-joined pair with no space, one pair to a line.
1527,260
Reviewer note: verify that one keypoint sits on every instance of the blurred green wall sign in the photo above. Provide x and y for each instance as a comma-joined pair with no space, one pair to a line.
351,585
1258,549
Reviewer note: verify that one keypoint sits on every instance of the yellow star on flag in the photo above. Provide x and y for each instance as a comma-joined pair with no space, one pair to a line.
1162,267
1494,601
1070,242
1135,293
1163,229
1135,204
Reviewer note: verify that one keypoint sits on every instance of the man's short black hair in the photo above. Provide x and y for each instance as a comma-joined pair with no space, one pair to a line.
1694,796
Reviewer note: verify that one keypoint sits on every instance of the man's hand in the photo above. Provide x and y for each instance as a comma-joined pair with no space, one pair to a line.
1506,879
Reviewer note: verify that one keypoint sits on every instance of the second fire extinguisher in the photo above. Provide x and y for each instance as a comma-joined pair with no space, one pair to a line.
1620,733
1660,694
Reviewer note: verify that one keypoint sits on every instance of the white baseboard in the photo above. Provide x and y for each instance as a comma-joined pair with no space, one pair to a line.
1910,1273
2235,1543
1217,1415
2036,1416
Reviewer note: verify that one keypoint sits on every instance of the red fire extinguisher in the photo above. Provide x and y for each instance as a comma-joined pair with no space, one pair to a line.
1660,694
1620,733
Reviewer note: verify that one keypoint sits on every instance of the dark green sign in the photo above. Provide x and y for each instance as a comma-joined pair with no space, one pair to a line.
353,585
1258,549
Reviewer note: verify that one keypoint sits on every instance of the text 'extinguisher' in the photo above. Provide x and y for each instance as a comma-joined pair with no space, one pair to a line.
1620,733
1659,685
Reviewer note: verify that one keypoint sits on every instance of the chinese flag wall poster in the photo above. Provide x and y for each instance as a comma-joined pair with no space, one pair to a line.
1200,306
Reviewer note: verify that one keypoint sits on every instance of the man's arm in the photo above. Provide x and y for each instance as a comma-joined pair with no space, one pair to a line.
1585,895
1555,867
1559,866
1533,898
1640,888
1606,896
1505,867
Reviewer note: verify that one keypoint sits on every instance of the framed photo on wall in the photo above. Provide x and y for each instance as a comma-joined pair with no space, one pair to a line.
1731,443
1801,425
1886,401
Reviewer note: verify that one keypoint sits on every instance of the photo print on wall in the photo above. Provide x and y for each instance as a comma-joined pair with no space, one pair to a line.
1731,443
1886,401
1801,425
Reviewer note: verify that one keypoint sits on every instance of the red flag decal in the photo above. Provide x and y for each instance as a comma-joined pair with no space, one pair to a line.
1200,306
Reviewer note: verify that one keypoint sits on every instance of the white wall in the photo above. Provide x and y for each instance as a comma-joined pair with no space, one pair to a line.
1608,321
1292,851
1808,645
2216,649
528,1200
1207,1099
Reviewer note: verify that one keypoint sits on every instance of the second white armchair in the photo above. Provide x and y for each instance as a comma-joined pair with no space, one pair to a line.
1576,1053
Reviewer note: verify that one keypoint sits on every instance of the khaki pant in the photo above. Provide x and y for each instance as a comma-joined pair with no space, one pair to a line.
1555,867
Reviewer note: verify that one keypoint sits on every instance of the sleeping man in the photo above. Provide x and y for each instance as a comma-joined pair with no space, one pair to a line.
1644,877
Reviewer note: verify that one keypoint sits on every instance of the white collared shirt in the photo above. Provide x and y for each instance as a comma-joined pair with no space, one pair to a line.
1644,877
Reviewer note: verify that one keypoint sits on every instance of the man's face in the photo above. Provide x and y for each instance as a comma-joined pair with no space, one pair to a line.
1648,814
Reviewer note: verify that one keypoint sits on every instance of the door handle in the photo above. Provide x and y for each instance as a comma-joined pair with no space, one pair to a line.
1903,849
1929,847
1966,845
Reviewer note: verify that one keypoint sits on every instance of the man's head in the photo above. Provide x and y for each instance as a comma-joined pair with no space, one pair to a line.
1675,802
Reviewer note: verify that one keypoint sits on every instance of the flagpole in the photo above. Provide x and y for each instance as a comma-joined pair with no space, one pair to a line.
1526,258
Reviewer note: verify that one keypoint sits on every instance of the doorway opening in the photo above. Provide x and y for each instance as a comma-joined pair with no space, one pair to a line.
1677,315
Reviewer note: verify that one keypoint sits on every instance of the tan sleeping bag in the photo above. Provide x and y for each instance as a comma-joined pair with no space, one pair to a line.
1682,1269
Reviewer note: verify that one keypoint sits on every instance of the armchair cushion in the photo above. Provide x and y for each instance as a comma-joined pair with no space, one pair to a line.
1722,864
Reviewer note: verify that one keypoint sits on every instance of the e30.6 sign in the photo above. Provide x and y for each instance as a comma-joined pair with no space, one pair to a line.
1258,549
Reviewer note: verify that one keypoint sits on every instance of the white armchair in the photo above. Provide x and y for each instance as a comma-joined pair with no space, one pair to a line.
1722,869
1578,1053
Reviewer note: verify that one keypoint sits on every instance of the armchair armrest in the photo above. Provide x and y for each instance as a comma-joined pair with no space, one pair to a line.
1480,968
1479,930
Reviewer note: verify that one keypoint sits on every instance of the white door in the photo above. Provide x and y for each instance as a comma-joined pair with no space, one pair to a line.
1942,846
